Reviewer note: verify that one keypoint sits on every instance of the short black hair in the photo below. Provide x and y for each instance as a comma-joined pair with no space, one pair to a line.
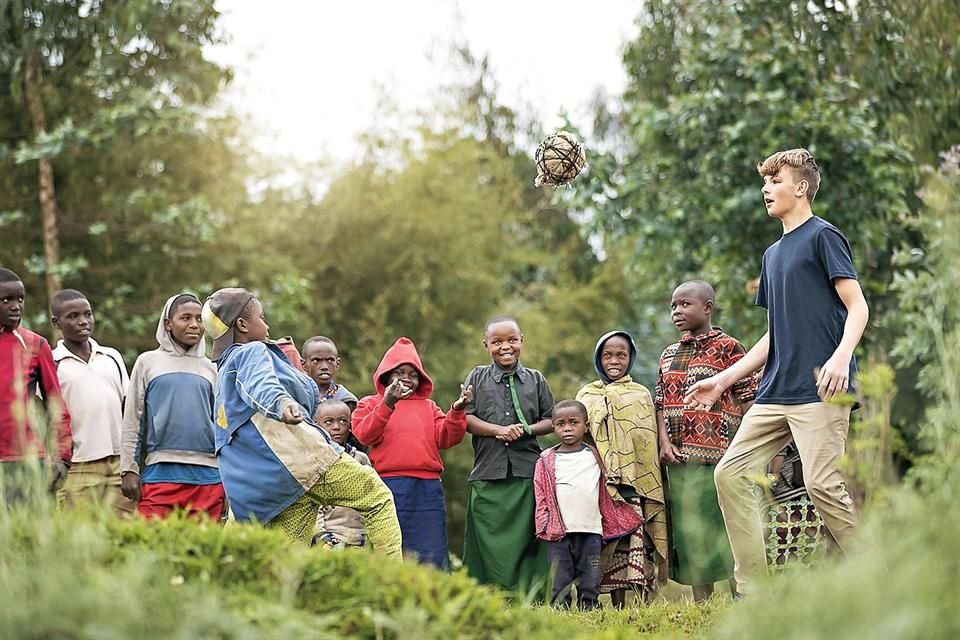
703,289
62,297
572,404
181,299
332,403
303,349
6,275
498,319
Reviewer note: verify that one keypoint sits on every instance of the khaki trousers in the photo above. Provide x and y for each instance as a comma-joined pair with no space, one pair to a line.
819,430
96,483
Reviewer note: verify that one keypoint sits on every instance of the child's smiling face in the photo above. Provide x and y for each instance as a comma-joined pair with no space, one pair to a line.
504,342
75,320
185,324
407,374
615,357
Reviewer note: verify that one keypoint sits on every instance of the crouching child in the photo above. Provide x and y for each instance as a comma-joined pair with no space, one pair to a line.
278,468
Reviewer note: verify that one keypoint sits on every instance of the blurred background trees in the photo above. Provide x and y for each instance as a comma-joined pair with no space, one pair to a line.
132,187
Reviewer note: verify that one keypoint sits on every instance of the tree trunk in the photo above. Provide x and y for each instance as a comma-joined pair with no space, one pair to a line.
48,194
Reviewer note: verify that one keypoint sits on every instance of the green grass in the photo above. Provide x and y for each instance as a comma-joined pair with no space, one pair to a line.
85,575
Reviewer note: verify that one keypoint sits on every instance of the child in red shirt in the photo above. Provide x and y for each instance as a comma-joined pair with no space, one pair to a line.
405,431
26,367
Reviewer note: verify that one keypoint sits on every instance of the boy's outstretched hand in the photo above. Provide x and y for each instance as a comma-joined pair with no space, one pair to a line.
466,395
396,390
704,394
291,414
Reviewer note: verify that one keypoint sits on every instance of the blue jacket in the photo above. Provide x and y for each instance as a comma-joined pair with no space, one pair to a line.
266,465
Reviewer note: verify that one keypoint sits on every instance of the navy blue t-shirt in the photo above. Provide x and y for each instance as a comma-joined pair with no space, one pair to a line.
805,315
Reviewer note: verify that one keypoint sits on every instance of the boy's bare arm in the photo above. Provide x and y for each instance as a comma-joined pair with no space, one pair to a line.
478,427
669,452
542,428
705,393
834,375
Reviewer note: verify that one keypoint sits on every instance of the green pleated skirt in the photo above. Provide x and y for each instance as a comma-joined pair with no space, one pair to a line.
699,547
500,543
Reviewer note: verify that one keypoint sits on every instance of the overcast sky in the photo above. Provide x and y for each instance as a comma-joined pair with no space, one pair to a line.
307,72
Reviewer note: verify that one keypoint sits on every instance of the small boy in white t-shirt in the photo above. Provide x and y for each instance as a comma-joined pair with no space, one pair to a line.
576,512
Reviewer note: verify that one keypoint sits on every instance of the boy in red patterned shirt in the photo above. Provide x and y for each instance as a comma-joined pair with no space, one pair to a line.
692,442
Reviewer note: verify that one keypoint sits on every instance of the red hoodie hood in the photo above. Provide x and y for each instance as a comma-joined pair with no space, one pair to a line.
403,351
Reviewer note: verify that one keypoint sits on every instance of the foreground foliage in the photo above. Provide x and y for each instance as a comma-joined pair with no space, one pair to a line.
76,575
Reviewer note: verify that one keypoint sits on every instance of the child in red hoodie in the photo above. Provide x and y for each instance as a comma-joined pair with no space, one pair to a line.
405,431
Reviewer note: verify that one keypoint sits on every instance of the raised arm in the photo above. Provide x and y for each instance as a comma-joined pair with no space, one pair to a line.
704,394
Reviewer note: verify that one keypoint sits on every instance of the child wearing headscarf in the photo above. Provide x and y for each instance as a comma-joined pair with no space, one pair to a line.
624,428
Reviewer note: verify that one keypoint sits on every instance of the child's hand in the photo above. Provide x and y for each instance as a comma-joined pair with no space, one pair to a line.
669,452
466,395
396,390
291,414
510,433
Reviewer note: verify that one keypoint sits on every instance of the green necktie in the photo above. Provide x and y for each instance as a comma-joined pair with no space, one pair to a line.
516,404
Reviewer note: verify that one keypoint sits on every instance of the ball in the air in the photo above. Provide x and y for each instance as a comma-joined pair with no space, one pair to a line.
559,159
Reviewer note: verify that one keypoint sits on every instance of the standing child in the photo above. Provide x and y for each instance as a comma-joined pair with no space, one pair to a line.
339,526
512,406
405,431
692,442
277,466
816,314
575,513
26,368
623,426
321,360
94,383
167,422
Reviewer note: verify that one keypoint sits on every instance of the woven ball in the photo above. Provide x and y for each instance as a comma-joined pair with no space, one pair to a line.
559,159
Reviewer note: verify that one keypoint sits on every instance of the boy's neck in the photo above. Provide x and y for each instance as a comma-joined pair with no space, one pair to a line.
699,331
325,387
82,349
571,448
795,218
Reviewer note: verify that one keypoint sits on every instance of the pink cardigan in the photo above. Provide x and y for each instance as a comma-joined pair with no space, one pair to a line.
618,518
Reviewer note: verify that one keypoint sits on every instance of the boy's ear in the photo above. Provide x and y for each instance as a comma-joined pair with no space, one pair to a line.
802,188
166,324
708,306
241,325
55,321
